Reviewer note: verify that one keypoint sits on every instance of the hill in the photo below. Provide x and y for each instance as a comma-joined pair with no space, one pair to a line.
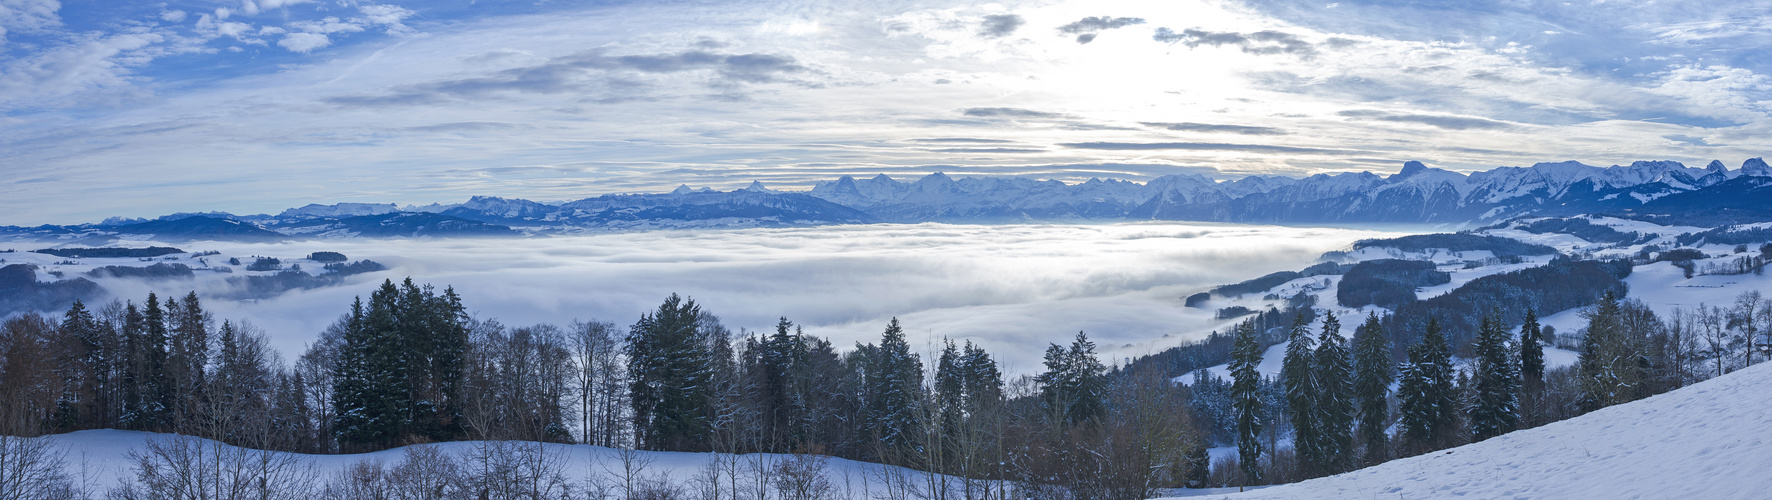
1708,440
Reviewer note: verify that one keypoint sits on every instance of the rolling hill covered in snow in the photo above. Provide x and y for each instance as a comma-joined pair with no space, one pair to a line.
1707,440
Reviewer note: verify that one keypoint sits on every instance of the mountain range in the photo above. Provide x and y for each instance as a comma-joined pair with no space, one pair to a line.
1658,191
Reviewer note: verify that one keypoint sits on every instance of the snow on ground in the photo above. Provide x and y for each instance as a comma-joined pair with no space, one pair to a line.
1271,362
1460,275
99,459
1705,441
1664,288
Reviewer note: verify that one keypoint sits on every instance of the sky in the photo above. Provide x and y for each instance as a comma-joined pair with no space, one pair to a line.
251,106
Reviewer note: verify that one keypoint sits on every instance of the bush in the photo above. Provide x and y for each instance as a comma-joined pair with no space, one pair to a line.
1387,283
1198,299
327,257
1257,285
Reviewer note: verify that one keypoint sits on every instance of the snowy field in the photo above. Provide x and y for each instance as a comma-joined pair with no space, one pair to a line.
98,460
1705,441
1011,288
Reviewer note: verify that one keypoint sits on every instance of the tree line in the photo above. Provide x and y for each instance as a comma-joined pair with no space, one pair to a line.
410,366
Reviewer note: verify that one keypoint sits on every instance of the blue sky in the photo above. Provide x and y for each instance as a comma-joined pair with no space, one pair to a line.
142,108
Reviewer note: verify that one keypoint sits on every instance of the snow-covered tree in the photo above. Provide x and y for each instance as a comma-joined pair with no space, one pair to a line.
1246,397
1495,399
1335,401
1298,374
1428,399
1373,373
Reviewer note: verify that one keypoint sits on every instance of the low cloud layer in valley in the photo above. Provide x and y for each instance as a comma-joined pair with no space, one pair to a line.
1011,288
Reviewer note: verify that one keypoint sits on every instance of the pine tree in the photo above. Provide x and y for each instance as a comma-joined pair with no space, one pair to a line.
1429,399
156,389
1335,402
1495,405
1609,358
1074,384
894,385
187,358
1246,397
983,381
95,359
669,364
1531,368
1373,373
1298,374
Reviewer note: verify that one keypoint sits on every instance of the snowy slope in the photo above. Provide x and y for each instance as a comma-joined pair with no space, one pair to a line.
104,456
1709,440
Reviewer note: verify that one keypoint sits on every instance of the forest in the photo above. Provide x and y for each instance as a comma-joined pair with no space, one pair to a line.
410,366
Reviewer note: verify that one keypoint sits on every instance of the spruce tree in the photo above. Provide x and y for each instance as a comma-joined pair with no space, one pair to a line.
1298,374
1246,400
1429,399
1074,384
1335,401
1531,368
95,355
157,391
1495,405
1373,373
187,357
894,384
670,370
133,378
983,381
1608,361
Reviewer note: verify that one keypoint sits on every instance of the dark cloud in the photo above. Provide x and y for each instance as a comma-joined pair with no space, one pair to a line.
1441,121
1086,29
1009,113
1199,146
1259,43
1094,24
1000,25
1212,128
590,70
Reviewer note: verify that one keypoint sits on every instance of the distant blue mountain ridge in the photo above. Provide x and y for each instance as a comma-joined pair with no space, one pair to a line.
1656,191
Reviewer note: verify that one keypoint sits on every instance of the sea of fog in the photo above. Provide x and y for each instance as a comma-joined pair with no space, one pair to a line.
1011,288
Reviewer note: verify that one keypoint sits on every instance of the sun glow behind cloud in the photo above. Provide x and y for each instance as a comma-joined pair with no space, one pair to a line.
423,103
1009,288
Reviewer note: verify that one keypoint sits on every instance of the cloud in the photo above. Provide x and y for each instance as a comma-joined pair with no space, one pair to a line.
253,7
1199,146
961,140
1009,113
27,15
1000,25
1094,24
173,16
988,150
1212,128
1087,28
1440,121
94,69
1258,43
1013,287
304,42
581,72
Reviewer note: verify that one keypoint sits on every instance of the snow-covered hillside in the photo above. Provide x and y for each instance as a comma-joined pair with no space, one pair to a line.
99,460
1708,441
